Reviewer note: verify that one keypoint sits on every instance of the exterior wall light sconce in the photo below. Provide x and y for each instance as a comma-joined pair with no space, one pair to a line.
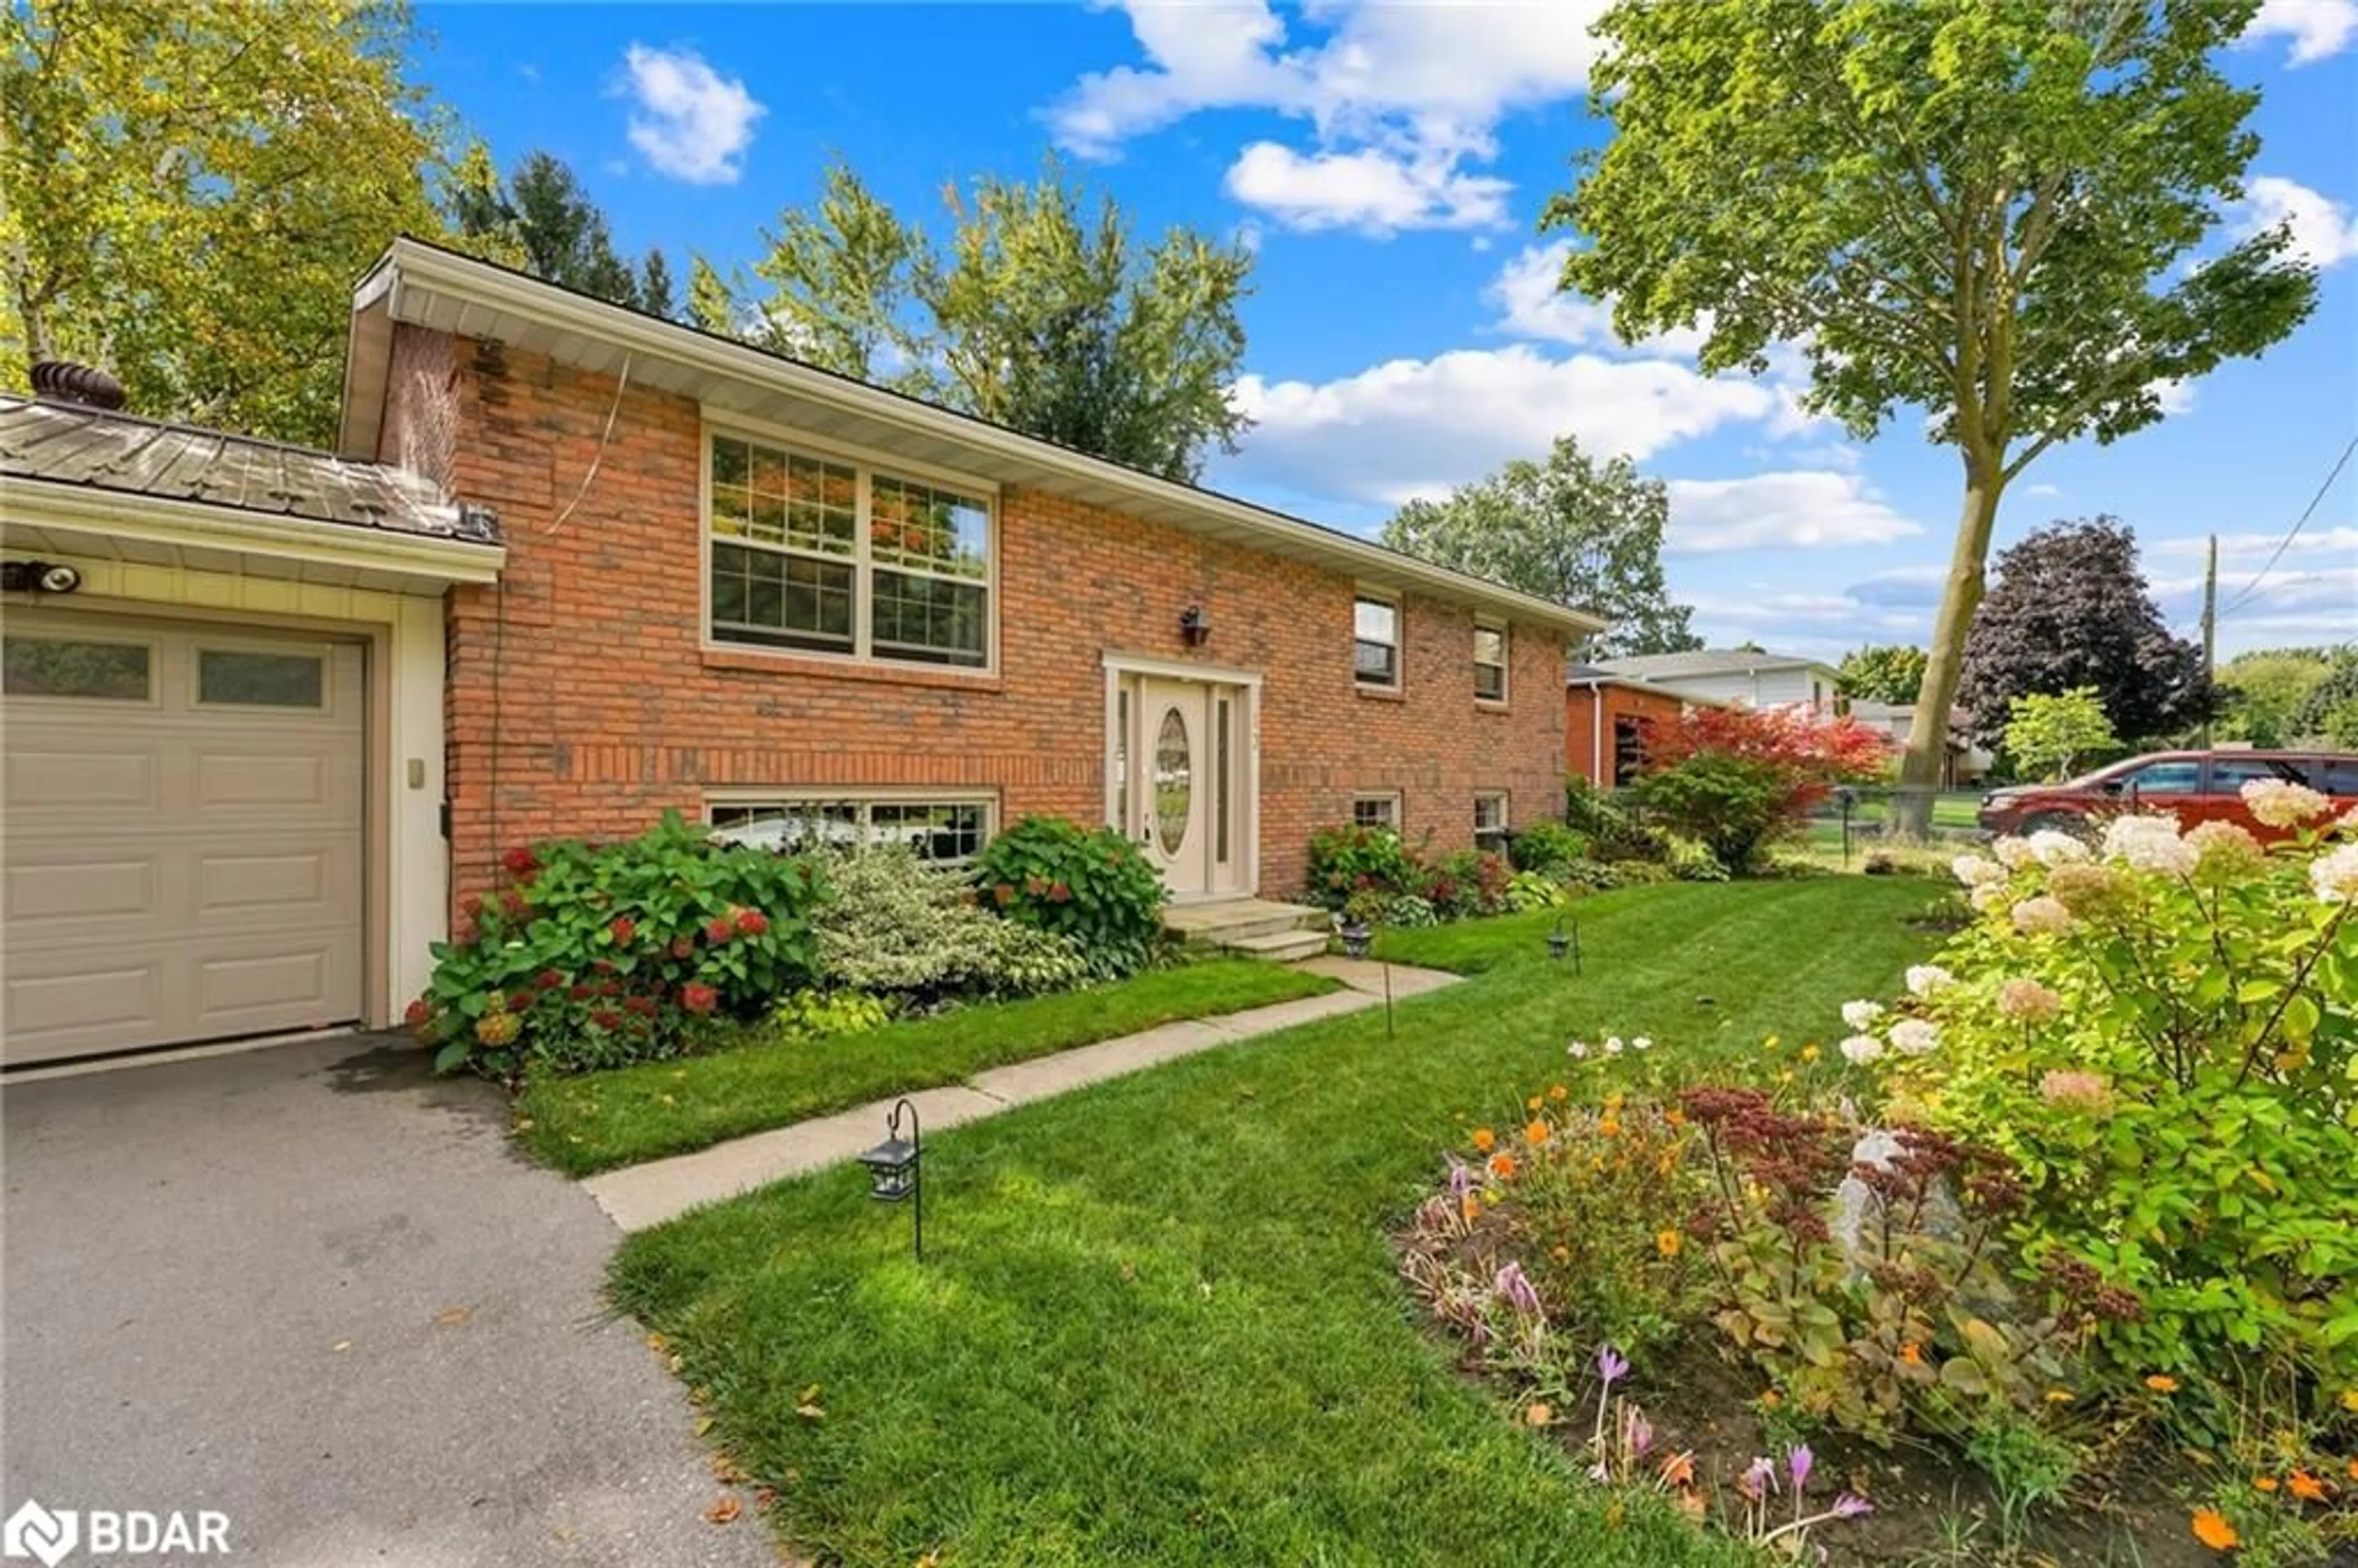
896,1172
1194,625
1562,945
38,576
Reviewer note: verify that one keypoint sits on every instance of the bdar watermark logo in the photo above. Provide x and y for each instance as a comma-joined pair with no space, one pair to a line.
50,1535
33,1532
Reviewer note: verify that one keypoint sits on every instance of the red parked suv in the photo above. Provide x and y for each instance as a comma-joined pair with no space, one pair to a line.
2196,786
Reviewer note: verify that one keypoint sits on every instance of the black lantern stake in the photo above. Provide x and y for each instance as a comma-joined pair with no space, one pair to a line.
1847,797
1387,999
1560,945
895,1172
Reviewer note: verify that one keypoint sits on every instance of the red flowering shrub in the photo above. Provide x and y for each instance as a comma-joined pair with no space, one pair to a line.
1737,779
606,954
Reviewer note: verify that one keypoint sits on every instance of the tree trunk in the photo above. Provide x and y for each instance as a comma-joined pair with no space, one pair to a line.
1928,735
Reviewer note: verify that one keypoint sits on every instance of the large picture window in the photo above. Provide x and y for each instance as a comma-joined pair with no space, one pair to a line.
829,557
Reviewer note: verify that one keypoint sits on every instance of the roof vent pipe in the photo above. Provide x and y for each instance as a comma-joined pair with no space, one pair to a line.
85,386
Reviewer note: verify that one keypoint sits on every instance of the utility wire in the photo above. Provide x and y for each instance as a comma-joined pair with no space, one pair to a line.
2286,543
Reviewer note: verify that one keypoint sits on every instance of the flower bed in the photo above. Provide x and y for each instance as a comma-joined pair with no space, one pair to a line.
2081,1200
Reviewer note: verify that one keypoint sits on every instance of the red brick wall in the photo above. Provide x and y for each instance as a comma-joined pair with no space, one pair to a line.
580,701
1585,737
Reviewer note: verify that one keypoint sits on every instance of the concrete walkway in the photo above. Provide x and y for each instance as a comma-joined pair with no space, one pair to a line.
638,1196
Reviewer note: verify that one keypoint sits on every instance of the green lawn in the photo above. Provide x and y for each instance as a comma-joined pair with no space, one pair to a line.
599,1121
1157,1321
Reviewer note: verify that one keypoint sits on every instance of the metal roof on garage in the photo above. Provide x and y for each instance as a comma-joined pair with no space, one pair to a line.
101,449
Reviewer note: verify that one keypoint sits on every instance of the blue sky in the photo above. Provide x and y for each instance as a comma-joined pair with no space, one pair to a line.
1390,163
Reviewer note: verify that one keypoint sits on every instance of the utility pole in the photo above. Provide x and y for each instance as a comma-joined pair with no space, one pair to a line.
2210,624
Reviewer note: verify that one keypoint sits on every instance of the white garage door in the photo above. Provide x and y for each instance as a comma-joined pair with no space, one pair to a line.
183,833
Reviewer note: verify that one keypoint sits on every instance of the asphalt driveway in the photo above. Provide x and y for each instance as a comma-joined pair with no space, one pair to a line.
314,1289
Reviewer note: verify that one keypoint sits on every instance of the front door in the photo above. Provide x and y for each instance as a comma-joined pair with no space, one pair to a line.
1181,771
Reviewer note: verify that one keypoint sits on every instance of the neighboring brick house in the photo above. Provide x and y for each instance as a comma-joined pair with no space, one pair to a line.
788,603
574,567
1606,719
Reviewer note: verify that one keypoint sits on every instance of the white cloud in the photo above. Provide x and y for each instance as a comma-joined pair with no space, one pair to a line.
2236,546
1531,307
1820,625
1916,587
2040,491
2317,28
1418,428
2176,396
1802,509
1421,88
689,121
2323,232
1371,190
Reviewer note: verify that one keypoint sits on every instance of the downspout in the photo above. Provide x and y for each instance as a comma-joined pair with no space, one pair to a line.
1596,728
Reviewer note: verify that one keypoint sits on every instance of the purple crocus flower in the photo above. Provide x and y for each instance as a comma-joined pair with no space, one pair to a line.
1798,1463
1610,1366
1639,1433
1758,1480
1850,1505
1461,1179
1514,1288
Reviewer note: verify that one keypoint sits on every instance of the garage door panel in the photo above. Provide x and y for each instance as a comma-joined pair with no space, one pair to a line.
63,1009
185,869
76,779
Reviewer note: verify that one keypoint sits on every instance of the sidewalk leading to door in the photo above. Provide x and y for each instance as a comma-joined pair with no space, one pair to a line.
639,1196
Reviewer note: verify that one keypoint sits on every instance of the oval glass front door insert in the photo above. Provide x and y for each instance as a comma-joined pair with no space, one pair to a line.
1174,780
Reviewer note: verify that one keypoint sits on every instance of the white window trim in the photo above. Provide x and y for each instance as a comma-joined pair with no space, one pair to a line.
1390,797
1506,814
1505,661
863,796
866,464
1400,639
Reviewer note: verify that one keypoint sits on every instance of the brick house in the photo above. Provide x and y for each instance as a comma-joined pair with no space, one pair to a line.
1605,716
787,604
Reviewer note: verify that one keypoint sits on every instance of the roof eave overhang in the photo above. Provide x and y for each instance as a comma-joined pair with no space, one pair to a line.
100,522
423,286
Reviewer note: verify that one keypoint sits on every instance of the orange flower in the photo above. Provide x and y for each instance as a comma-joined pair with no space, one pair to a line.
1559,1093
1668,1242
1502,1166
2354,1469
1473,1208
1532,1103
2162,1383
2211,1529
1675,1117
2305,1486
1538,1414
1770,1398
1610,1127
1536,1133
2264,1483
1912,1353
1485,1139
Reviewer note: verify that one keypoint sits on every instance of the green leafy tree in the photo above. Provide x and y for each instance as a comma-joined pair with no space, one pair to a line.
1038,314
711,303
188,190
2329,712
1981,210
2263,693
2048,733
1891,672
1583,534
545,214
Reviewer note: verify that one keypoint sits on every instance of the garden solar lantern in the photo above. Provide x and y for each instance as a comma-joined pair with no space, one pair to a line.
895,1174
1356,936
1561,946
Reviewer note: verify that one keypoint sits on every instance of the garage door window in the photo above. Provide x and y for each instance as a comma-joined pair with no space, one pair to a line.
52,667
260,680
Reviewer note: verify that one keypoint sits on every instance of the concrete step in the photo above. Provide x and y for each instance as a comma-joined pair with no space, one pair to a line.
1279,946
1234,920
